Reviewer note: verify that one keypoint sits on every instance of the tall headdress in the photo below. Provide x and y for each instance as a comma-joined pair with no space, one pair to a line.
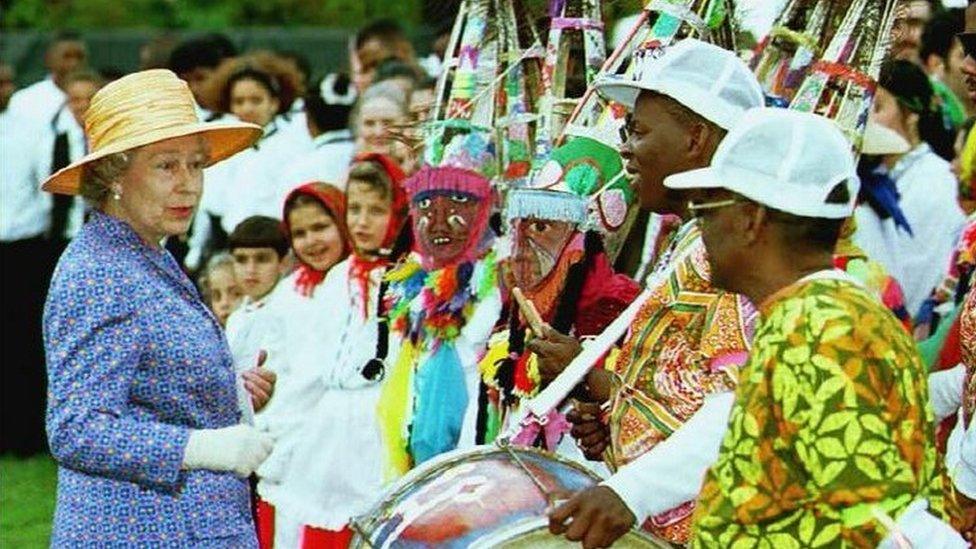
572,23
491,80
841,85
799,35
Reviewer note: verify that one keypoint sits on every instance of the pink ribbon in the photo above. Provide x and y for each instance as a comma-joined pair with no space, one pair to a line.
576,23
553,426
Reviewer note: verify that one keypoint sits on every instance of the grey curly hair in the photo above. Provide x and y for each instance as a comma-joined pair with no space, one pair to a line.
98,176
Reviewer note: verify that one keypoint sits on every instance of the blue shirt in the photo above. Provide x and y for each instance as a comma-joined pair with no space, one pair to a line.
135,361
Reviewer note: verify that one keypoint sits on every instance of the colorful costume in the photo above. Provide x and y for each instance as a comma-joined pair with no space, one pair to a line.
441,304
687,342
831,418
562,268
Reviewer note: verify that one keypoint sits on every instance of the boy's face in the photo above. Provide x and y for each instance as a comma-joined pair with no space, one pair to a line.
257,270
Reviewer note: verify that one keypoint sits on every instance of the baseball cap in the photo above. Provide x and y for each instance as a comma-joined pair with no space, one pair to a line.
788,160
711,81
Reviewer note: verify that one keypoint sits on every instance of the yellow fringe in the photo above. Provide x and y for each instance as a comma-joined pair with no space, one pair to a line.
497,350
393,412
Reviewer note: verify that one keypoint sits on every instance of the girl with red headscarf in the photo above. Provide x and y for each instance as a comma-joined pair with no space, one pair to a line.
315,225
335,473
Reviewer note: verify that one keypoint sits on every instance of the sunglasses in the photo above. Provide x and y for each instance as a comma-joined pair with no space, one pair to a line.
695,208
968,41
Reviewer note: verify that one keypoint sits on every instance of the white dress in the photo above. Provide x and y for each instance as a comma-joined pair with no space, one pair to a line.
335,472
929,198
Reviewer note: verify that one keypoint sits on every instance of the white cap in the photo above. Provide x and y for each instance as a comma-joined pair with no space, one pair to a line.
707,79
784,159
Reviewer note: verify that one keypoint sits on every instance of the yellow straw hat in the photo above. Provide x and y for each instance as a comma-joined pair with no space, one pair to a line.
143,108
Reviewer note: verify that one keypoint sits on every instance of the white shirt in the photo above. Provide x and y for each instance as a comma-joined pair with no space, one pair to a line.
43,156
294,123
929,199
672,472
336,470
247,183
249,331
24,208
328,162
946,389
38,102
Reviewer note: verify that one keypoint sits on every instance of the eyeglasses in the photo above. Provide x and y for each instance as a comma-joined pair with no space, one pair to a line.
695,208
968,41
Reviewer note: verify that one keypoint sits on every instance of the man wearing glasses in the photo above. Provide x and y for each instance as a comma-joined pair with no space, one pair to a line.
830,438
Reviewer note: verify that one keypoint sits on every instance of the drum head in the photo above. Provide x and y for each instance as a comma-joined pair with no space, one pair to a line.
463,496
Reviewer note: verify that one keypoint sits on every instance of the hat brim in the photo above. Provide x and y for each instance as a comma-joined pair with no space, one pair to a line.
223,139
702,178
620,91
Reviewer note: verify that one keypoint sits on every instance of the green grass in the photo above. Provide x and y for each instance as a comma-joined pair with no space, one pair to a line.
27,489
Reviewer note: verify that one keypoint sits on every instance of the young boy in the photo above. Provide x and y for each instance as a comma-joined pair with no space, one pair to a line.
259,250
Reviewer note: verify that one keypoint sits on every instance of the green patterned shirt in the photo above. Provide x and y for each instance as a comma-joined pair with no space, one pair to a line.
831,418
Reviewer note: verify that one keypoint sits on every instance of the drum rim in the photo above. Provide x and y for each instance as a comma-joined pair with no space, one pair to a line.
526,525
366,522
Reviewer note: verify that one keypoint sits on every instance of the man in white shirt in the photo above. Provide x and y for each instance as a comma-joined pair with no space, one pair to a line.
327,108
39,102
25,255
62,142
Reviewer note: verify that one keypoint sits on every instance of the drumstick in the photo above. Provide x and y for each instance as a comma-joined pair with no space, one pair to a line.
529,311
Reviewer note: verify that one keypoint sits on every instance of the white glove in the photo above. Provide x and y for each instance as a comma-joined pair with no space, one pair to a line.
922,529
239,449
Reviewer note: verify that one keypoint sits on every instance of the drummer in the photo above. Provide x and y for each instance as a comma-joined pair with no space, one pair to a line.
831,426
688,339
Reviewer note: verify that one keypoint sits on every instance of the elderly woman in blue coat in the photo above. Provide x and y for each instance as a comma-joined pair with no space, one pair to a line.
143,416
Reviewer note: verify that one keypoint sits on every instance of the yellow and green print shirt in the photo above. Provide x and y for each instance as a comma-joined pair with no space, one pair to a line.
831,418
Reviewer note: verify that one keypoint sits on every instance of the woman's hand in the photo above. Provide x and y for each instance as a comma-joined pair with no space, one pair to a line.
260,382
239,449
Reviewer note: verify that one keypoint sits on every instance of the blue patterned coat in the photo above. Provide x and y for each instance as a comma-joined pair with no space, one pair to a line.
135,361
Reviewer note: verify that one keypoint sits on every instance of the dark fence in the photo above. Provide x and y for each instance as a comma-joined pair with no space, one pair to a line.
118,50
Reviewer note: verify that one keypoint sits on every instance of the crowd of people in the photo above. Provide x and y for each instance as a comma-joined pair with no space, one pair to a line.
263,297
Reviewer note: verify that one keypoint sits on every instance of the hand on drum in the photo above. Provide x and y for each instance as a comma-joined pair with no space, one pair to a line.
260,382
591,434
555,352
597,517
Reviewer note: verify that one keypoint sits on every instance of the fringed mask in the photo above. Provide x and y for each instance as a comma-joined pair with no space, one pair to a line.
537,245
450,209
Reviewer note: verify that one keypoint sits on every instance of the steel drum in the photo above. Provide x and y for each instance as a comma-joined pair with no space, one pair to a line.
487,496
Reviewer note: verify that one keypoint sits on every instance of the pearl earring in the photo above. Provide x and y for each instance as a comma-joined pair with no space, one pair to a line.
116,195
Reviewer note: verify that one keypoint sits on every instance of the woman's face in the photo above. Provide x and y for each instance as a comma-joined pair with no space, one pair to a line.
367,215
161,189
888,113
376,117
315,236
251,101
225,292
